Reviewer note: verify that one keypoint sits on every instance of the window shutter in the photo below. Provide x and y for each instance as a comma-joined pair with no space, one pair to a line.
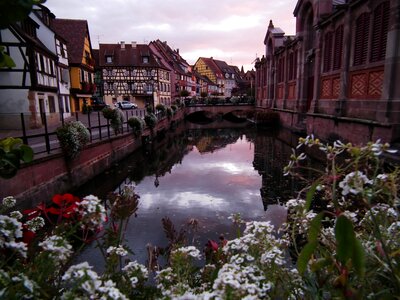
338,51
291,66
380,31
328,52
361,39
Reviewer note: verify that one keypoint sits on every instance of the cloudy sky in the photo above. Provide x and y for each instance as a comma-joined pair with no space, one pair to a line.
229,30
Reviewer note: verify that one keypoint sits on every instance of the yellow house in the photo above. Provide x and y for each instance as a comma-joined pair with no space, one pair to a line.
81,62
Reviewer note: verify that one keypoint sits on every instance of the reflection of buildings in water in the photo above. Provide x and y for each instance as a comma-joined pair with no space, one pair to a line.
212,140
270,157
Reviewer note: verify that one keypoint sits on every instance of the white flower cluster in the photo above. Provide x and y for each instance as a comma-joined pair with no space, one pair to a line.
241,282
10,230
92,212
273,256
58,247
236,218
35,224
87,284
120,251
9,201
16,215
190,251
135,272
354,183
9,281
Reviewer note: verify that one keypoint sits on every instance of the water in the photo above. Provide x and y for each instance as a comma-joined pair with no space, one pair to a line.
205,175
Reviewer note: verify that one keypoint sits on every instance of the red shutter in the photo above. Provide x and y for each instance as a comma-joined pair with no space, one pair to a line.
338,51
361,39
291,66
328,52
380,31
295,65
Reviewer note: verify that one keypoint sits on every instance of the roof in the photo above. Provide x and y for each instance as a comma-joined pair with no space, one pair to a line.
129,56
171,56
74,32
212,65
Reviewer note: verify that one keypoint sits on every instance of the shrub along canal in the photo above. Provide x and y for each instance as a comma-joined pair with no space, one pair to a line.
199,177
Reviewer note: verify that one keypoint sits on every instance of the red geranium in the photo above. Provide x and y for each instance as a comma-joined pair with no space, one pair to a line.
64,205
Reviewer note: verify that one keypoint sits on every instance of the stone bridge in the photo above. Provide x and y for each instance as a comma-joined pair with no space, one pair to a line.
218,109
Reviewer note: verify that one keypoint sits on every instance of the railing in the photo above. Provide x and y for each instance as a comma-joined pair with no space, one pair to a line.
44,139
220,101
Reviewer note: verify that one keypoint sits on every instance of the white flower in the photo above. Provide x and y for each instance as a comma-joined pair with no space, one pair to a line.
354,183
9,201
59,248
16,215
190,251
109,290
83,275
92,212
10,229
120,251
35,224
17,246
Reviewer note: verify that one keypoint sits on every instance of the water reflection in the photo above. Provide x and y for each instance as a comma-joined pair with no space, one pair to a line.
202,174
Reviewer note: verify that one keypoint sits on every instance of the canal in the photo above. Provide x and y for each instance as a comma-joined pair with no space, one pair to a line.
204,175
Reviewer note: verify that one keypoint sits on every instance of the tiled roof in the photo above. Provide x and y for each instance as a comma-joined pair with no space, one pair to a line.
173,57
128,57
212,65
74,32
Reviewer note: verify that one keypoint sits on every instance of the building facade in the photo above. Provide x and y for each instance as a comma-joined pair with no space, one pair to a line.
81,62
31,87
132,72
337,77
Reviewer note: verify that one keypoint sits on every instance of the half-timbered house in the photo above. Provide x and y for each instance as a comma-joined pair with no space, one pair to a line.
134,73
338,76
30,88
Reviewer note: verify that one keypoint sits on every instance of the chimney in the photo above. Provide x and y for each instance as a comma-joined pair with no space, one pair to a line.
133,44
177,50
122,44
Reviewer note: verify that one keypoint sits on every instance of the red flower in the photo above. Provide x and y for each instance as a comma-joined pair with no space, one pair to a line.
65,205
213,245
28,236
35,212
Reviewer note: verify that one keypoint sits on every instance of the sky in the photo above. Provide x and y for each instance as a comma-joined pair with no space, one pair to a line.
229,30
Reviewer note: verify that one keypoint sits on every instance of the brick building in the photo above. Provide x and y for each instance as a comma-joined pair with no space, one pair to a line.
338,76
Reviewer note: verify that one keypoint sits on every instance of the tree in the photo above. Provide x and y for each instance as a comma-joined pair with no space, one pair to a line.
184,93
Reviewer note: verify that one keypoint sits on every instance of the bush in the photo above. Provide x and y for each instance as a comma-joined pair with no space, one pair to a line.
12,152
116,118
73,136
137,125
160,107
170,112
174,108
151,121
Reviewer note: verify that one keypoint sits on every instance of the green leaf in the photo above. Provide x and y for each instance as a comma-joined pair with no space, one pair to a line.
310,195
359,258
315,227
320,263
305,256
26,153
345,238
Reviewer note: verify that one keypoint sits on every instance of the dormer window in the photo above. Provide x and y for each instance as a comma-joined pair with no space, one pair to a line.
145,59
109,59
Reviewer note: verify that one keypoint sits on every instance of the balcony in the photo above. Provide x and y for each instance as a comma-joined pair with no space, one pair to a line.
89,61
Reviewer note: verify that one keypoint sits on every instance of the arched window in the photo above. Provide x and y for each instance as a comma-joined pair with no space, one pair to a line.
379,32
361,39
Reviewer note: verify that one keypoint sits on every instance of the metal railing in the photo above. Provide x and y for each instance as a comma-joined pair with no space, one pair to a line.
43,138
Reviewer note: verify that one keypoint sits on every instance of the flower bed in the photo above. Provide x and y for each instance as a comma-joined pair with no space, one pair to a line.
341,240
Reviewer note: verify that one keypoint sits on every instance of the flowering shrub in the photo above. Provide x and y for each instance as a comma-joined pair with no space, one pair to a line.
151,120
137,125
341,240
116,118
73,136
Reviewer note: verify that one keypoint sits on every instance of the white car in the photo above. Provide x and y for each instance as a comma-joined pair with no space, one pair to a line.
125,105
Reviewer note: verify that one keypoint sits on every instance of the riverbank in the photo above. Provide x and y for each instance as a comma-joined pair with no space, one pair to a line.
54,174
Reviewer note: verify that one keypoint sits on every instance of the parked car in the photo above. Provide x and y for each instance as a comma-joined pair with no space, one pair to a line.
125,105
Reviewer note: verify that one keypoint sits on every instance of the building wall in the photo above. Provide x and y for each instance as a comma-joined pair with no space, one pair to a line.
343,71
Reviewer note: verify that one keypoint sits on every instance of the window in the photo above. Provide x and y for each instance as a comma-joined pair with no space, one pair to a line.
361,39
328,41
145,59
52,105
109,59
281,70
379,32
338,48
